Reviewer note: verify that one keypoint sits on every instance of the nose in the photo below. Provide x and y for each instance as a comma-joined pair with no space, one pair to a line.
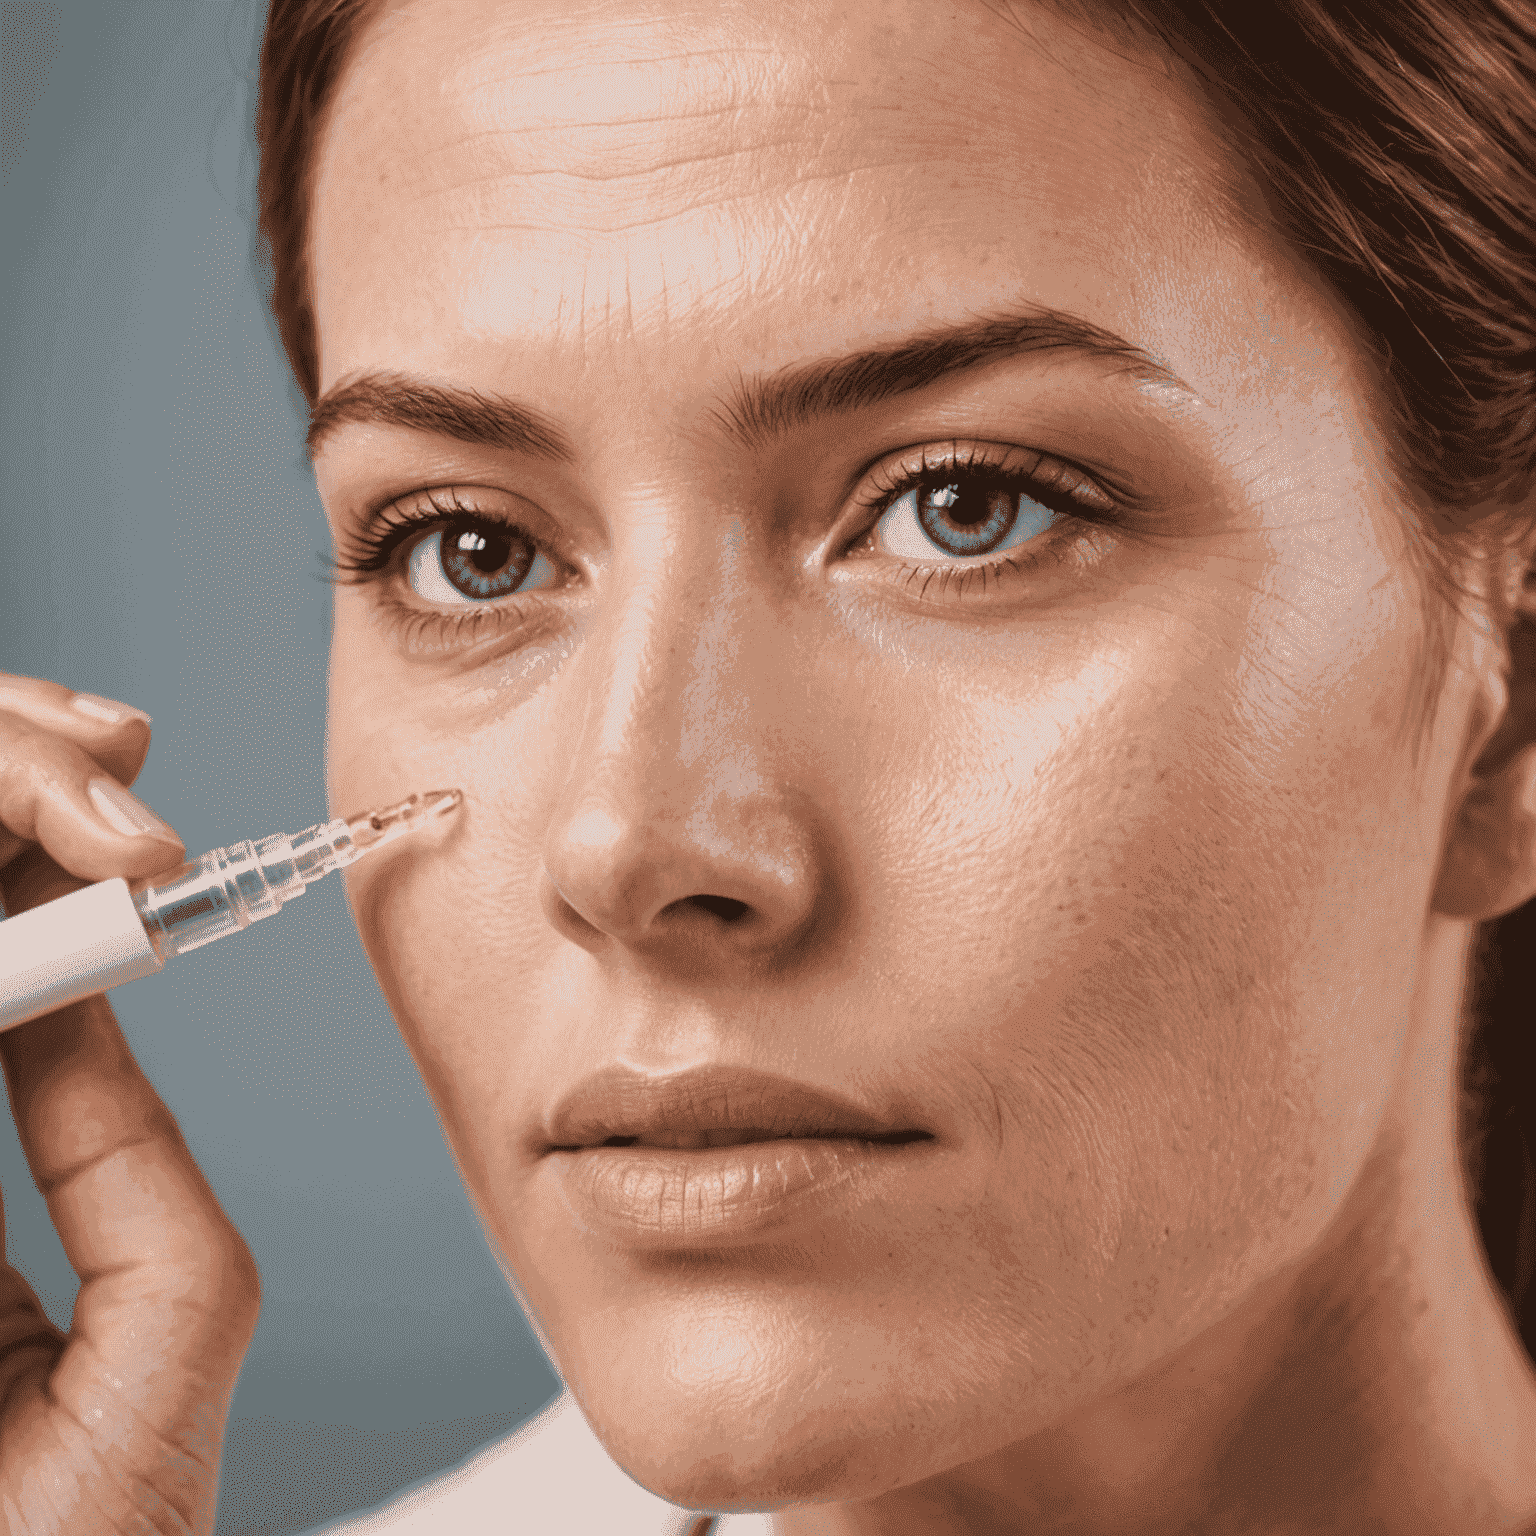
704,868
686,830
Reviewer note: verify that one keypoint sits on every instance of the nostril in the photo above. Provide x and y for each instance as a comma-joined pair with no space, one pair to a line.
724,907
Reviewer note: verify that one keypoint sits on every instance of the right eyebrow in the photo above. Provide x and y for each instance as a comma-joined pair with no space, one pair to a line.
465,415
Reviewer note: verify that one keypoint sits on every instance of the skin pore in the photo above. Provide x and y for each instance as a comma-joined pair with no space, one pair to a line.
1111,865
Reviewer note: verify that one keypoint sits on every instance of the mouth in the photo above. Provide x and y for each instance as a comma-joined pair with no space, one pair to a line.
709,1107
693,1141
714,1157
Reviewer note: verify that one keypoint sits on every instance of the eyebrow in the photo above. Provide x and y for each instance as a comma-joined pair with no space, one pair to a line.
758,409
764,408
465,415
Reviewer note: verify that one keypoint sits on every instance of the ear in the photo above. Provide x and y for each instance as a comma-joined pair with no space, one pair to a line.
1489,865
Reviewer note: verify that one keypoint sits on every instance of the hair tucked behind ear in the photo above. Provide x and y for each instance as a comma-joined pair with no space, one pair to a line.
1501,1072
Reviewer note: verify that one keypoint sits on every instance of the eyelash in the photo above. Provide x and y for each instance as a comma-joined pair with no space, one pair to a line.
368,553
1053,483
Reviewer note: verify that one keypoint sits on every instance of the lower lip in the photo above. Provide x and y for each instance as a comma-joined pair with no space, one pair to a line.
661,1197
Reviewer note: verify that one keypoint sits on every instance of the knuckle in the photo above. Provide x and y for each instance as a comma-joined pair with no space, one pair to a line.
18,685
32,758
235,1279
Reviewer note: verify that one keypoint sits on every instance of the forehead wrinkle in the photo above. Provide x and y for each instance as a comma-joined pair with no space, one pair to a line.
681,162
657,90
668,83
715,198
507,131
683,150
792,115
727,156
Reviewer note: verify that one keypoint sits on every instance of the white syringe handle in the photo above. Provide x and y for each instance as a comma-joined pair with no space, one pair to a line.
70,948
114,932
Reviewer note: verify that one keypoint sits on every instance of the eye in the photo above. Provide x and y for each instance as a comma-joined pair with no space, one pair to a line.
472,560
965,514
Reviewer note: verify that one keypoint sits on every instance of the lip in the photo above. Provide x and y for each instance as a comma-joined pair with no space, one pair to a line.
711,1102
715,1155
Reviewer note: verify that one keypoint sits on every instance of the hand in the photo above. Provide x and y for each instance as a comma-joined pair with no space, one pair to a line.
116,1425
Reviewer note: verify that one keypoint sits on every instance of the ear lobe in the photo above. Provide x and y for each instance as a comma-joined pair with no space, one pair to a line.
1489,865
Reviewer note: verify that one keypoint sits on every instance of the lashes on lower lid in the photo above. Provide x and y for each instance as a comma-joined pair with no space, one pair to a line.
423,630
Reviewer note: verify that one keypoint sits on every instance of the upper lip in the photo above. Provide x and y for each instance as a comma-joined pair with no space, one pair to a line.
709,1106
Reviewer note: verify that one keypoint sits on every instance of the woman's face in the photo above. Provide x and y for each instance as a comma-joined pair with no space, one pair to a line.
910,588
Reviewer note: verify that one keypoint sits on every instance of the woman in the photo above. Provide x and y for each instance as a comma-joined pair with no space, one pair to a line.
974,568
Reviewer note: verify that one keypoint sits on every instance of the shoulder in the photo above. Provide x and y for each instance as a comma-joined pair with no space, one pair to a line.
550,1475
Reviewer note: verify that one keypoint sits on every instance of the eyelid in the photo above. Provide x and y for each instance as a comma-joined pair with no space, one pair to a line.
368,551
1091,521
896,473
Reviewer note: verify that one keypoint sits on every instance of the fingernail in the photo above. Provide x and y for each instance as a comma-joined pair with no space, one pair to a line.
108,710
125,812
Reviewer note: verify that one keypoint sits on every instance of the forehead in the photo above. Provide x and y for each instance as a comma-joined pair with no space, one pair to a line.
505,186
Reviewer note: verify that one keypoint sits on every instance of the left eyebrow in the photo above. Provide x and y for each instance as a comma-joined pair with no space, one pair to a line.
764,408
465,415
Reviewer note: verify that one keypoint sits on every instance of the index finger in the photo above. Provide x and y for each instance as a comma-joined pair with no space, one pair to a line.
115,735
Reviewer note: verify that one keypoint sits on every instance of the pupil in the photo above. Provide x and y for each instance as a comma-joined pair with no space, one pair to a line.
960,506
476,545
483,559
967,517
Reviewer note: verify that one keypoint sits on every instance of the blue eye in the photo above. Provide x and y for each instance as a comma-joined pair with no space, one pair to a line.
473,560
963,516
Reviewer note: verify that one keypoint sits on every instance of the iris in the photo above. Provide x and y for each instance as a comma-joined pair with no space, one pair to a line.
968,519
479,559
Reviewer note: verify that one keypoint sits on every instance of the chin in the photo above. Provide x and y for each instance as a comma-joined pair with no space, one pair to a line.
713,1455
724,1425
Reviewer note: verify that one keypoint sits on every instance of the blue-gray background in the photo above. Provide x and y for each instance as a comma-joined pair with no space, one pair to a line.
159,533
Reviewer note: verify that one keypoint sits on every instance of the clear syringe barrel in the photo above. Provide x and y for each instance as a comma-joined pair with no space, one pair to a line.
230,888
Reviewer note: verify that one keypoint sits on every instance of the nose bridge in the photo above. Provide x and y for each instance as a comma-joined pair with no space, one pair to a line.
681,808
669,691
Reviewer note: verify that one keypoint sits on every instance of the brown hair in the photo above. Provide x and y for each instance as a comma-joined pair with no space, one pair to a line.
303,48
1396,141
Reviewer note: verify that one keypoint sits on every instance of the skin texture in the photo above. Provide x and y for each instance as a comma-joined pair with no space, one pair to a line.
1118,876
1138,875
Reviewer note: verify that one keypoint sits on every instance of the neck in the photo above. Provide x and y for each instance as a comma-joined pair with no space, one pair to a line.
1375,1384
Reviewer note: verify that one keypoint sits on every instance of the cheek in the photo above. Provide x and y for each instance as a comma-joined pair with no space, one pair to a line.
1151,938
453,934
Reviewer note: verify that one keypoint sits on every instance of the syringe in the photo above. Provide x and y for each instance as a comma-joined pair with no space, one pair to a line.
114,931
